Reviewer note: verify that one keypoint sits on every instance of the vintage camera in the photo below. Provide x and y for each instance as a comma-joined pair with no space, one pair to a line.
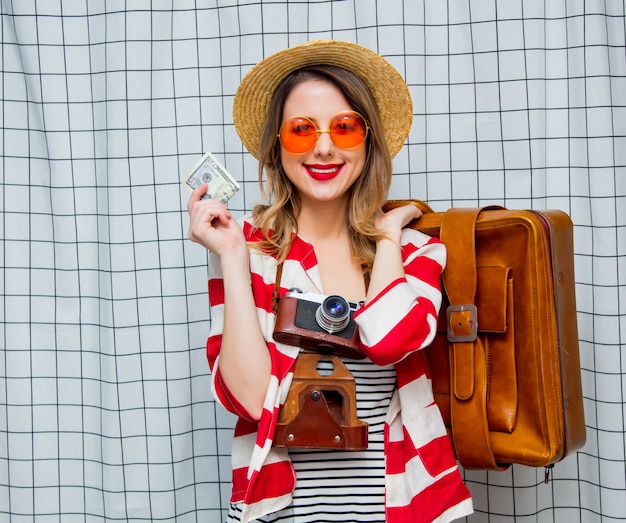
320,409
318,323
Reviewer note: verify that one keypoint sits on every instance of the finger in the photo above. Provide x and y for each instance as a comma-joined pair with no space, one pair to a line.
417,213
221,212
197,193
409,217
200,190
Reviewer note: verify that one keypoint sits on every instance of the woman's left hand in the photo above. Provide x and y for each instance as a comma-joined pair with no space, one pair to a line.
388,265
392,221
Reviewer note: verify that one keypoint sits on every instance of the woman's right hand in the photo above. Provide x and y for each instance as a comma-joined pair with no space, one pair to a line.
212,225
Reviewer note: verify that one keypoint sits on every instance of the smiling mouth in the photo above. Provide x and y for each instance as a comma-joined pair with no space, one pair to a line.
323,173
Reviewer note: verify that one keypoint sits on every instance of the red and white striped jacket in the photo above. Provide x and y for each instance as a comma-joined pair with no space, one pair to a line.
422,480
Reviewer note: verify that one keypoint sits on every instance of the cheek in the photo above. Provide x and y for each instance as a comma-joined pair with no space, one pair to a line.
359,159
290,163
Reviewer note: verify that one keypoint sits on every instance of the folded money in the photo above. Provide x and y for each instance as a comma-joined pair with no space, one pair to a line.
222,186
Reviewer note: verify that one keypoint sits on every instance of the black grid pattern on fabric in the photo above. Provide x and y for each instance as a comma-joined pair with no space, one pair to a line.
105,407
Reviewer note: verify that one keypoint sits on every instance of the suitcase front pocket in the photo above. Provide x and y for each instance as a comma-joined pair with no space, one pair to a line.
496,313
496,328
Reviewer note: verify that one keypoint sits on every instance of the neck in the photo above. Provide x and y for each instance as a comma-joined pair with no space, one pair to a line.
323,220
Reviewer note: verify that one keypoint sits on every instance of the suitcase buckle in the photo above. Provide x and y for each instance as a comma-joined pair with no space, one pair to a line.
462,323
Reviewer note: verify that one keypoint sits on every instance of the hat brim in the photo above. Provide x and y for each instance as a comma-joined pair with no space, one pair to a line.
389,89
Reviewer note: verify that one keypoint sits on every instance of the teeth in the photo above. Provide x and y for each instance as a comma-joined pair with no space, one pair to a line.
323,171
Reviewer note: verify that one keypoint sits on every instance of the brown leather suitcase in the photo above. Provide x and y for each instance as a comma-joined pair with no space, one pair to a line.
505,363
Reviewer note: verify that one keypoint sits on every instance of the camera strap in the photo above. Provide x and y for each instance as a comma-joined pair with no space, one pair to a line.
276,294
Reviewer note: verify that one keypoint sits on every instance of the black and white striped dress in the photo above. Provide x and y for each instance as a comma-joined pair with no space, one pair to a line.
343,486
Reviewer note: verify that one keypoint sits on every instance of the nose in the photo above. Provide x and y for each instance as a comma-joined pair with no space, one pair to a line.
324,145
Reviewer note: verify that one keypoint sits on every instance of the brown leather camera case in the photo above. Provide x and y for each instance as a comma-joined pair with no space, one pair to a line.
320,409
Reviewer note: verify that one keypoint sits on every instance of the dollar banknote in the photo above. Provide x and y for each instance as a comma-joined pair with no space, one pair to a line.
222,186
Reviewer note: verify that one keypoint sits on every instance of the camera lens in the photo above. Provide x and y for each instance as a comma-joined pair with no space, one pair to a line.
333,315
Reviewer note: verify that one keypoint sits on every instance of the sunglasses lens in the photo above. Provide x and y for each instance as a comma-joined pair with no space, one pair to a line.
348,130
298,135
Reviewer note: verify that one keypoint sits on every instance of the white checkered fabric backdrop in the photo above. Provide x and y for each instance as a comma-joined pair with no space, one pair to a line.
105,408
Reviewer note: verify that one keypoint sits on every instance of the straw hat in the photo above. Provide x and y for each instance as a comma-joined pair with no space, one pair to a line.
390,91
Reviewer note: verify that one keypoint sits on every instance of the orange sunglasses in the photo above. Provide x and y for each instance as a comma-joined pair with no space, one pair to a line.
299,134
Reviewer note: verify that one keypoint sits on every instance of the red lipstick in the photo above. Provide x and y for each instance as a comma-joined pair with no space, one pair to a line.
323,172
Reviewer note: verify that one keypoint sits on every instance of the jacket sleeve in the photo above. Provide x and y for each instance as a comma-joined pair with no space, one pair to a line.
403,317
262,290
220,391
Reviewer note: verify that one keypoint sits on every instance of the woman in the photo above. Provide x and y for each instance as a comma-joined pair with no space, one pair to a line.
324,120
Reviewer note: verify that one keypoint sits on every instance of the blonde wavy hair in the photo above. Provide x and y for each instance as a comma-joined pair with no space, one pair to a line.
277,218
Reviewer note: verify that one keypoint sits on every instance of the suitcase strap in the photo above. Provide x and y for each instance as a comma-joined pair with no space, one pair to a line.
468,366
